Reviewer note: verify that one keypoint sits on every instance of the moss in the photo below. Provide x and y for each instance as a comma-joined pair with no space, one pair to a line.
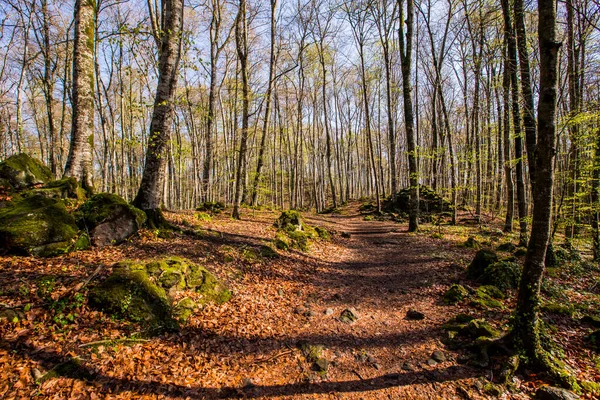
558,308
591,387
312,352
104,206
66,188
492,389
82,243
483,259
213,207
22,171
268,252
287,218
479,328
472,243
503,274
184,309
282,243
212,290
488,297
205,217
455,294
507,247
323,233
36,225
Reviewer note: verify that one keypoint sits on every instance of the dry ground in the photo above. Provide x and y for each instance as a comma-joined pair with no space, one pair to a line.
248,347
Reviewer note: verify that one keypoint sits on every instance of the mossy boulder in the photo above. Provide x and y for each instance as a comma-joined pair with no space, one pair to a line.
503,274
483,259
455,294
289,220
110,219
22,171
146,291
507,247
429,202
35,225
472,243
488,297
213,207
66,188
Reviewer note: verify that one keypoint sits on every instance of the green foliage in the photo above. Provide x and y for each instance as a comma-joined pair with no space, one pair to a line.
202,216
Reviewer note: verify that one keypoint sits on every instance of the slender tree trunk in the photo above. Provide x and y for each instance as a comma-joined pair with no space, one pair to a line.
406,66
79,160
151,189
241,40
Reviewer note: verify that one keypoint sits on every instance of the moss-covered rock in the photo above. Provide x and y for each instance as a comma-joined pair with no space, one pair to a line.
483,259
472,243
110,219
213,207
289,220
66,188
456,293
22,171
488,297
146,291
429,202
507,247
503,274
323,233
36,225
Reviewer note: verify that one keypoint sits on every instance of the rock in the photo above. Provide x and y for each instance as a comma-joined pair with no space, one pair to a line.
438,356
507,247
110,219
503,274
66,188
479,328
371,359
145,292
35,225
554,393
483,259
472,243
321,365
328,311
455,294
36,374
431,362
22,171
323,233
248,383
312,352
414,315
488,297
213,207
408,366
289,220
429,202
349,316
346,235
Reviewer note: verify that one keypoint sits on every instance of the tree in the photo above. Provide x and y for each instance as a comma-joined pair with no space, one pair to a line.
79,160
406,41
526,327
150,193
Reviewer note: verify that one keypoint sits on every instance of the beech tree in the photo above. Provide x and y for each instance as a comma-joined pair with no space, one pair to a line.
150,193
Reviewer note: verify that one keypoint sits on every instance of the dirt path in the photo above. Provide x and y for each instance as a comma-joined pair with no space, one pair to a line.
248,346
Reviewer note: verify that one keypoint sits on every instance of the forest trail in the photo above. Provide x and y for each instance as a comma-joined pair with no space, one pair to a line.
248,347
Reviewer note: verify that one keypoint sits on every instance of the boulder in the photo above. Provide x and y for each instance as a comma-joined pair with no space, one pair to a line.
503,274
109,219
146,292
429,202
21,171
554,393
483,259
289,220
213,207
455,294
66,188
34,224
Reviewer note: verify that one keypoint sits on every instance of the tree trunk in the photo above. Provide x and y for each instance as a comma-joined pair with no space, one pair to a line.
526,330
79,160
151,189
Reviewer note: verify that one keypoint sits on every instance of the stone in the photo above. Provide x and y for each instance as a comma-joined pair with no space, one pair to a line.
554,393
109,219
483,259
21,171
328,311
431,362
456,293
33,224
438,356
145,292
346,235
414,315
349,316
408,366
507,247
504,275
321,365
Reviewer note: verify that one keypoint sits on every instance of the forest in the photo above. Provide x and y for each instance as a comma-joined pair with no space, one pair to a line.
300,199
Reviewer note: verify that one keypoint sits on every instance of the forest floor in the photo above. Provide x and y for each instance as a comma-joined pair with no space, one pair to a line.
248,347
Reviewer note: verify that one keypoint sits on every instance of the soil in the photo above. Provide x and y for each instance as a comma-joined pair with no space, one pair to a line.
248,347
